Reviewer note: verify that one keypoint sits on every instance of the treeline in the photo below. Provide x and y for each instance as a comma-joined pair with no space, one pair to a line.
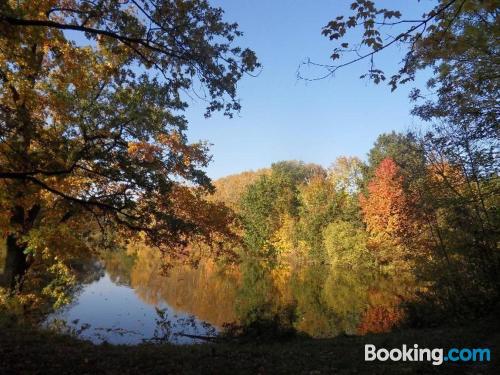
412,211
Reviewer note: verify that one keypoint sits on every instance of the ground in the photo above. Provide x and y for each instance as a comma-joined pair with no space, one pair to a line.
23,351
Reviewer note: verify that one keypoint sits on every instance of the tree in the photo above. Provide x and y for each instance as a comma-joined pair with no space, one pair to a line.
346,245
91,125
457,187
405,150
270,200
390,217
346,174
230,189
319,205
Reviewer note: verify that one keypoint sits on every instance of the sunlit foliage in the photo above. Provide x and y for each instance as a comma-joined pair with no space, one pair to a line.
93,136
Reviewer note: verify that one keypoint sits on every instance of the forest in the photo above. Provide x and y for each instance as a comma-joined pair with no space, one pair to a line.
99,179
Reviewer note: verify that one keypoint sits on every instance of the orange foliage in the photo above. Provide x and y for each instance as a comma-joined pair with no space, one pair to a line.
378,319
230,189
389,215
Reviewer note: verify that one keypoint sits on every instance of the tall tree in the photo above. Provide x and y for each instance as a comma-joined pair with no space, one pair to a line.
389,214
91,125
320,204
405,150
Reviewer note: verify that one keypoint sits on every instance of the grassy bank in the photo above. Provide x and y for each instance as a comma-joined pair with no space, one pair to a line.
23,351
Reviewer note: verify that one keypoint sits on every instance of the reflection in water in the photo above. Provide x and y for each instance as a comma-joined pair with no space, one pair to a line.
207,291
105,311
134,301
320,300
201,291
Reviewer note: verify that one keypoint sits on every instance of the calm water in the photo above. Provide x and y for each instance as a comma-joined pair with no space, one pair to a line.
132,301
107,311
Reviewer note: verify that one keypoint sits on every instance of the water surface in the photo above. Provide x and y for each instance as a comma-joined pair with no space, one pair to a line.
107,311
133,301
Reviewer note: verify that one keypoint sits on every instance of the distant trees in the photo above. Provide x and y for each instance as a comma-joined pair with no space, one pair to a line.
270,200
405,215
440,193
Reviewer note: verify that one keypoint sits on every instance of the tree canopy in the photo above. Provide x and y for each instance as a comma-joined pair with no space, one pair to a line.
91,101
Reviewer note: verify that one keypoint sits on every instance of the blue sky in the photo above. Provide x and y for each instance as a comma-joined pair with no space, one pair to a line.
283,118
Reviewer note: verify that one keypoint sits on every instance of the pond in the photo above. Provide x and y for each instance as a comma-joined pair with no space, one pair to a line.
105,311
128,299
132,301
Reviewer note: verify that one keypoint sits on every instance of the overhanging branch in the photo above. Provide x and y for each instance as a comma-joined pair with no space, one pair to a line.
62,26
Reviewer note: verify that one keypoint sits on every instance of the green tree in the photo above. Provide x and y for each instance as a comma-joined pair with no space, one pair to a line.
405,150
270,199
319,205
346,245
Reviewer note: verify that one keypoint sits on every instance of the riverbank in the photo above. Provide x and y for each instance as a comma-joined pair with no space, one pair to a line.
23,351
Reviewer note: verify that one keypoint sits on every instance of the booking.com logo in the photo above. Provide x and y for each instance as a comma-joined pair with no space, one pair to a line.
437,356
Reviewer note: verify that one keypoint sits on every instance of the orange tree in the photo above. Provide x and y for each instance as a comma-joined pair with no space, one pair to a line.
390,216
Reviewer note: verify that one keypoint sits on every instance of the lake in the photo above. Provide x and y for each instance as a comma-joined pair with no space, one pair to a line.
130,300
105,311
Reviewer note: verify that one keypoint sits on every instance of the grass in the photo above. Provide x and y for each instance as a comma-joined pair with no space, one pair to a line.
24,351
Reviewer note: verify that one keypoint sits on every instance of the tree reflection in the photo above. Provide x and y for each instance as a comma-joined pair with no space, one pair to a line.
206,291
320,300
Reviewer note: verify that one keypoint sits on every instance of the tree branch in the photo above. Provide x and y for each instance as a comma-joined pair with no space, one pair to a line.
333,68
62,26
29,177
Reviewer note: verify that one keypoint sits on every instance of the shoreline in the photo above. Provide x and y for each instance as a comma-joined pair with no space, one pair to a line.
24,351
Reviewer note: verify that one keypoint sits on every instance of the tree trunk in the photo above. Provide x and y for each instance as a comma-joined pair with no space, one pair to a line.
15,264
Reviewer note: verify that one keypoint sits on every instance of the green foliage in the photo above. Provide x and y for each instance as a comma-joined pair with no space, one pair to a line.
258,214
319,205
286,211
407,153
270,198
346,245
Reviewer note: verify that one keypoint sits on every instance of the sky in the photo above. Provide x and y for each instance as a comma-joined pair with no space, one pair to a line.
284,118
